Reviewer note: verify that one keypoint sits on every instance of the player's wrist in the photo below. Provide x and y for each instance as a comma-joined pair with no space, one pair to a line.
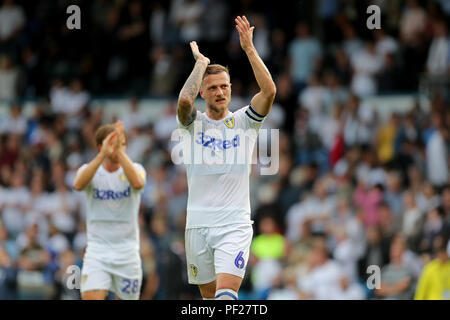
251,50
203,60
120,154
101,155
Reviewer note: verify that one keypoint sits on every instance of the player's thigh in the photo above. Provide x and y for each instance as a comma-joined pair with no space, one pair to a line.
94,295
231,253
95,280
127,281
199,258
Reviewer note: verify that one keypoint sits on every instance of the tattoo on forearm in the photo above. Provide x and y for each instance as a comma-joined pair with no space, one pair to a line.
187,118
193,83
190,91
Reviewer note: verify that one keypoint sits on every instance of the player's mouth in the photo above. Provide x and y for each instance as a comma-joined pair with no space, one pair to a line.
220,100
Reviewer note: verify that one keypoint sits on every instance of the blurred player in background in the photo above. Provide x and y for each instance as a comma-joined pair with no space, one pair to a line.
113,185
218,227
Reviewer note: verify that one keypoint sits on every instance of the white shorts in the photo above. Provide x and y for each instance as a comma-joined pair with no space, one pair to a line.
210,251
123,279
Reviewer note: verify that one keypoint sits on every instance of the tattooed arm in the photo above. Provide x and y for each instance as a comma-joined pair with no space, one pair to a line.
186,109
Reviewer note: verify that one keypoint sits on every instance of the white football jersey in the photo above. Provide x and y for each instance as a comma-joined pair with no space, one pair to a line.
218,155
112,207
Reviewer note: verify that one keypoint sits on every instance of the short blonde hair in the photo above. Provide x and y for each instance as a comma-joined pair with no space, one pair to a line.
215,69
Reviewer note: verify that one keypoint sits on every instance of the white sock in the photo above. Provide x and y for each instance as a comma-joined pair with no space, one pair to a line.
208,298
226,294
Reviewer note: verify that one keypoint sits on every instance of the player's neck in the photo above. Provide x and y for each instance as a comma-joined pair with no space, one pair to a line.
215,114
110,166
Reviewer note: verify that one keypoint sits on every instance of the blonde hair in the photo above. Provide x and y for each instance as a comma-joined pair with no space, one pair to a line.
215,69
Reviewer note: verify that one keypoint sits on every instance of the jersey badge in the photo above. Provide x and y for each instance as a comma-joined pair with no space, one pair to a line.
229,122
194,270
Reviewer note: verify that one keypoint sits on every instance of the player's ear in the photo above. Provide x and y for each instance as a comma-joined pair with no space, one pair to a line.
201,93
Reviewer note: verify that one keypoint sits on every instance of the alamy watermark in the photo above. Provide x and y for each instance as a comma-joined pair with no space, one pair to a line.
74,20
374,280
73,280
374,21
214,149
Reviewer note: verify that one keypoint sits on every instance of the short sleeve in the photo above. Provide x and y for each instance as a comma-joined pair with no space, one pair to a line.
141,171
253,118
84,166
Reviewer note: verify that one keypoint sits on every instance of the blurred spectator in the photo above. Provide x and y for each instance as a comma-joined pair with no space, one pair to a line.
413,219
386,139
358,122
346,233
390,77
412,23
323,276
351,43
384,43
396,279
8,275
69,101
32,282
163,129
304,54
316,210
437,154
14,203
393,194
133,118
150,281
267,250
166,70
186,15
438,61
9,79
312,99
157,23
15,123
432,228
434,283
366,64
427,198
446,203
12,21
261,37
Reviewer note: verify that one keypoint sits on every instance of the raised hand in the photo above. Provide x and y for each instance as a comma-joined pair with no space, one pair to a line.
121,133
109,144
196,53
245,32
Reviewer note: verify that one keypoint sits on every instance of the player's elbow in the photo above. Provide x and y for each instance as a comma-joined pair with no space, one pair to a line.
271,91
184,103
77,186
138,184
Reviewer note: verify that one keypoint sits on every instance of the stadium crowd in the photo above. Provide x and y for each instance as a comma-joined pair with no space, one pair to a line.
353,190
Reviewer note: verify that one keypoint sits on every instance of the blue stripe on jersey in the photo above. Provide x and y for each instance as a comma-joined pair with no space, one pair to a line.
254,112
248,114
